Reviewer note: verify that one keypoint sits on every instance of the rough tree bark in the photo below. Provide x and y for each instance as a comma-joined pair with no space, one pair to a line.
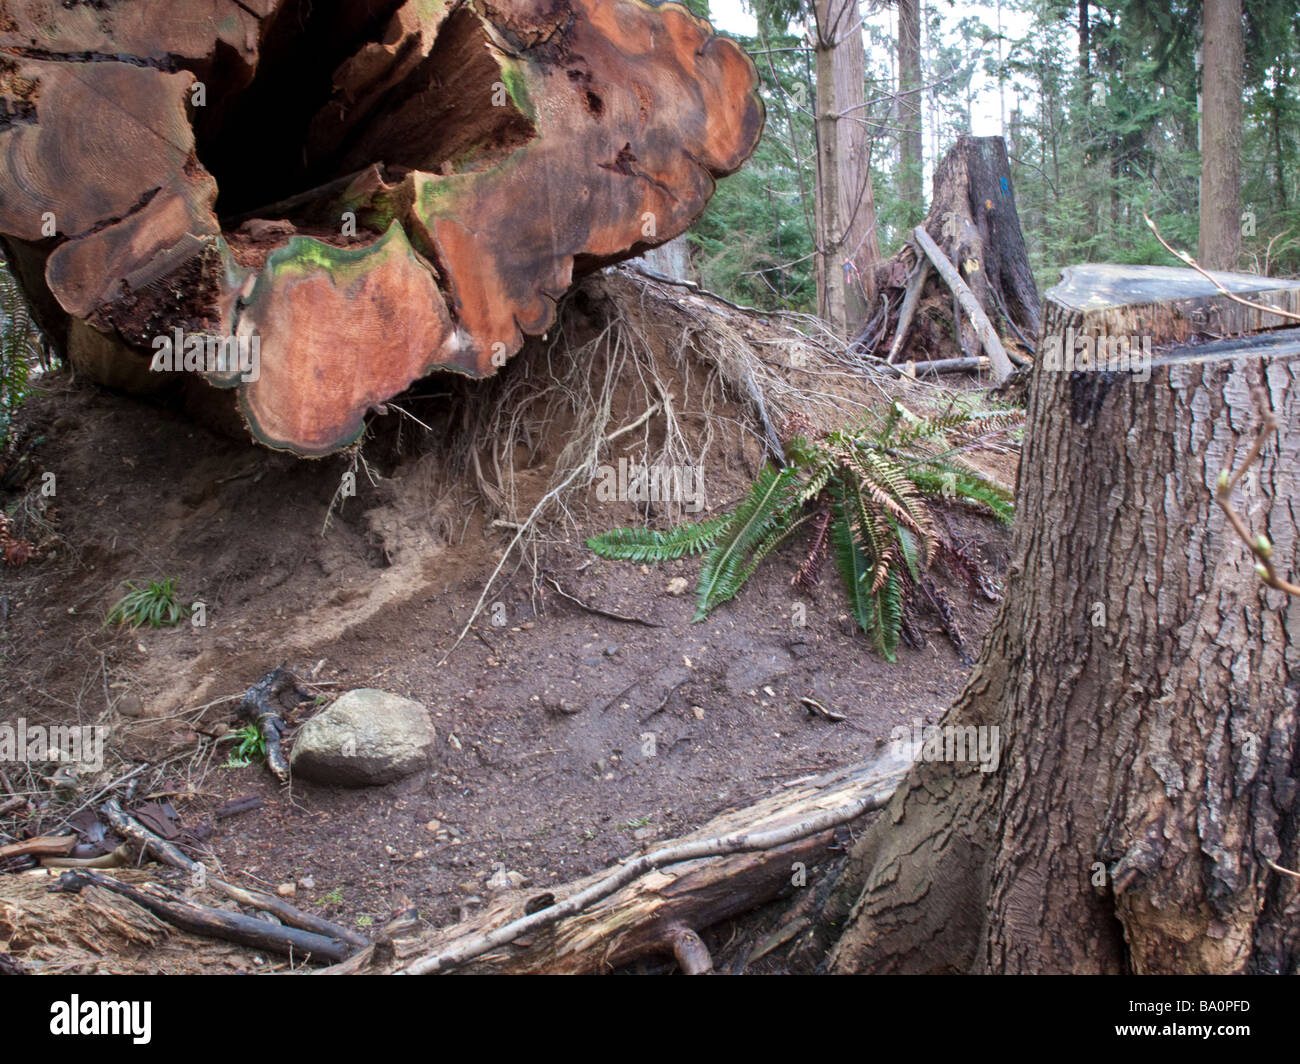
1223,50
910,175
1143,679
848,247
403,186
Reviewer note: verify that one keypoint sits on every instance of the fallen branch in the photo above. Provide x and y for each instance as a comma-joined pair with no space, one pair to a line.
715,873
988,336
214,923
598,611
911,298
169,854
42,846
260,706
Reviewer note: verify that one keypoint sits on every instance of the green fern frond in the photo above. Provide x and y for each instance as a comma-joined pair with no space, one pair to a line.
951,482
768,503
853,564
650,545
887,619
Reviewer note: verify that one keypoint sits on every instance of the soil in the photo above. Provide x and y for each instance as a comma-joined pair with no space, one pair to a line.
567,739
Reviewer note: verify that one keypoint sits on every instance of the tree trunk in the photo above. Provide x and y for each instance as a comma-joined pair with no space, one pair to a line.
1219,245
403,187
1140,676
910,171
848,247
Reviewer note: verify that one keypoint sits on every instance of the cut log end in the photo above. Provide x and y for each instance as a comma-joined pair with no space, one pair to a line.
359,194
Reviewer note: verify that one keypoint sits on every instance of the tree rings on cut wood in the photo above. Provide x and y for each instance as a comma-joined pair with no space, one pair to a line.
357,193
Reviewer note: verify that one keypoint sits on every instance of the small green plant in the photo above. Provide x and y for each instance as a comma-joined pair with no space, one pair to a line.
152,606
20,349
862,495
251,746
334,897
364,921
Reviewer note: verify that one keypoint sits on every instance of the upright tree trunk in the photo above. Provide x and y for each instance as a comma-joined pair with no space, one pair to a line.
910,173
1219,246
847,245
1141,677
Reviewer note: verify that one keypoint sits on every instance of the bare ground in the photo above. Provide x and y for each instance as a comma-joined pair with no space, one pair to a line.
566,739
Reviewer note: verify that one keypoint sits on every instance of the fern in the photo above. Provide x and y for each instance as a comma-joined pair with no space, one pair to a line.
863,491
724,570
19,349
647,545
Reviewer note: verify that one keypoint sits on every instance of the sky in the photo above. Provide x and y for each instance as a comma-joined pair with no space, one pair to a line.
730,15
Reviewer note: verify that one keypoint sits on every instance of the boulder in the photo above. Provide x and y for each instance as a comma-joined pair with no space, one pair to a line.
366,738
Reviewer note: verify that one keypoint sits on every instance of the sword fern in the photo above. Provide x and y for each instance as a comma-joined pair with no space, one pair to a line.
865,492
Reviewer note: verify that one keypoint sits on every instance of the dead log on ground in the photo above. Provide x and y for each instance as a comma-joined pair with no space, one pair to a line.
199,919
658,903
404,186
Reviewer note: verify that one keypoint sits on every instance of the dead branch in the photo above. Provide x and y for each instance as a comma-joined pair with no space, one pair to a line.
961,290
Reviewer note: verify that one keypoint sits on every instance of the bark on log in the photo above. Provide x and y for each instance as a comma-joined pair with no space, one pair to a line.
440,171
1140,674
656,914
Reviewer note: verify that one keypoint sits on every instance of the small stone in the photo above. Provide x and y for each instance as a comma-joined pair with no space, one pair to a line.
698,711
307,882
286,890
677,586
433,825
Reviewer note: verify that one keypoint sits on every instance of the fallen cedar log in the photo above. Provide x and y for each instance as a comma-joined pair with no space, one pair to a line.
658,902
429,177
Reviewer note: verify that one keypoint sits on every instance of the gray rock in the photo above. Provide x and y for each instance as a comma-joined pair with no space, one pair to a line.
366,738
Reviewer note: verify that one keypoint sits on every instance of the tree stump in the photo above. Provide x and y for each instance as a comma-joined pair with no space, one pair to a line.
974,224
348,195
1142,677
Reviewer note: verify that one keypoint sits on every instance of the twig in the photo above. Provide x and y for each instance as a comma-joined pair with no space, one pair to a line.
1185,257
597,610
478,606
1259,545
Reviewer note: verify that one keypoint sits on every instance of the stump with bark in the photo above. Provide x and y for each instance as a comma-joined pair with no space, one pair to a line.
962,284
329,201
1143,677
